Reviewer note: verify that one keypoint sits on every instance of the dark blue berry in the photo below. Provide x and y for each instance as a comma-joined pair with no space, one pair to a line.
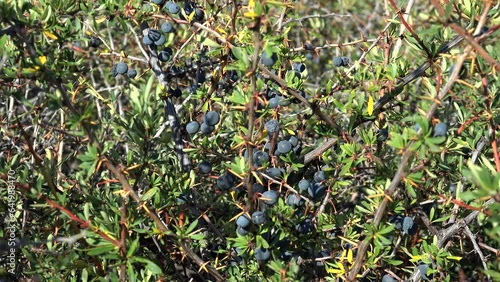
121,68
267,60
206,129
205,167
95,42
167,27
440,129
259,218
304,185
154,35
270,197
284,146
192,127
173,8
272,126
211,118
262,254
132,73
337,61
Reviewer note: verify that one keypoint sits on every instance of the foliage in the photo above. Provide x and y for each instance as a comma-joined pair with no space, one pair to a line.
110,184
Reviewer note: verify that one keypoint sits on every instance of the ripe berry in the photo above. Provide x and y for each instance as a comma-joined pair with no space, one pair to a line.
388,278
257,188
422,268
274,172
319,176
168,50
259,218
173,8
284,146
161,40
407,224
440,129
147,41
225,182
300,67
397,220
272,126
316,190
157,2
243,221
294,140
305,226
163,56
211,118
262,254
199,15
206,129
345,61
121,68
337,61
382,134
304,185
294,200
270,197
260,157
205,167
268,61
273,103
192,127
167,27
309,47
154,35
113,71
132,73
242,231
95,42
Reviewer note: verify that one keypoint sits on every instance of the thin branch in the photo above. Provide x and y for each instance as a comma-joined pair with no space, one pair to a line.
170,112
251,113
402,166
296,95
397,47
410,29
335,45
317,16
476,247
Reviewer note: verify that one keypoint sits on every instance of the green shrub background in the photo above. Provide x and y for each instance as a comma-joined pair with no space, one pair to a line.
100,192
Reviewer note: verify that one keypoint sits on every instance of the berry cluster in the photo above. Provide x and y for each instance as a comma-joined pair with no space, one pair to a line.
340,61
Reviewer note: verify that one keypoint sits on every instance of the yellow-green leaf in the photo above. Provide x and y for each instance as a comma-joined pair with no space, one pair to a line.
370,105
50,34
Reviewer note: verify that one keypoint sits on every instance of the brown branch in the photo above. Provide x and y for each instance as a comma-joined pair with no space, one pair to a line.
328,119
83,223
410,29
251,114
123,239
474,43
401,167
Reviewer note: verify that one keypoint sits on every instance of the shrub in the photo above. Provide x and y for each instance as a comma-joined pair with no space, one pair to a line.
336,140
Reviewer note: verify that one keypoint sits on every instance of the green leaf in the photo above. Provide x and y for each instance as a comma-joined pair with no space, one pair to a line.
149,194
133,247
102,249
151,266
191,227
